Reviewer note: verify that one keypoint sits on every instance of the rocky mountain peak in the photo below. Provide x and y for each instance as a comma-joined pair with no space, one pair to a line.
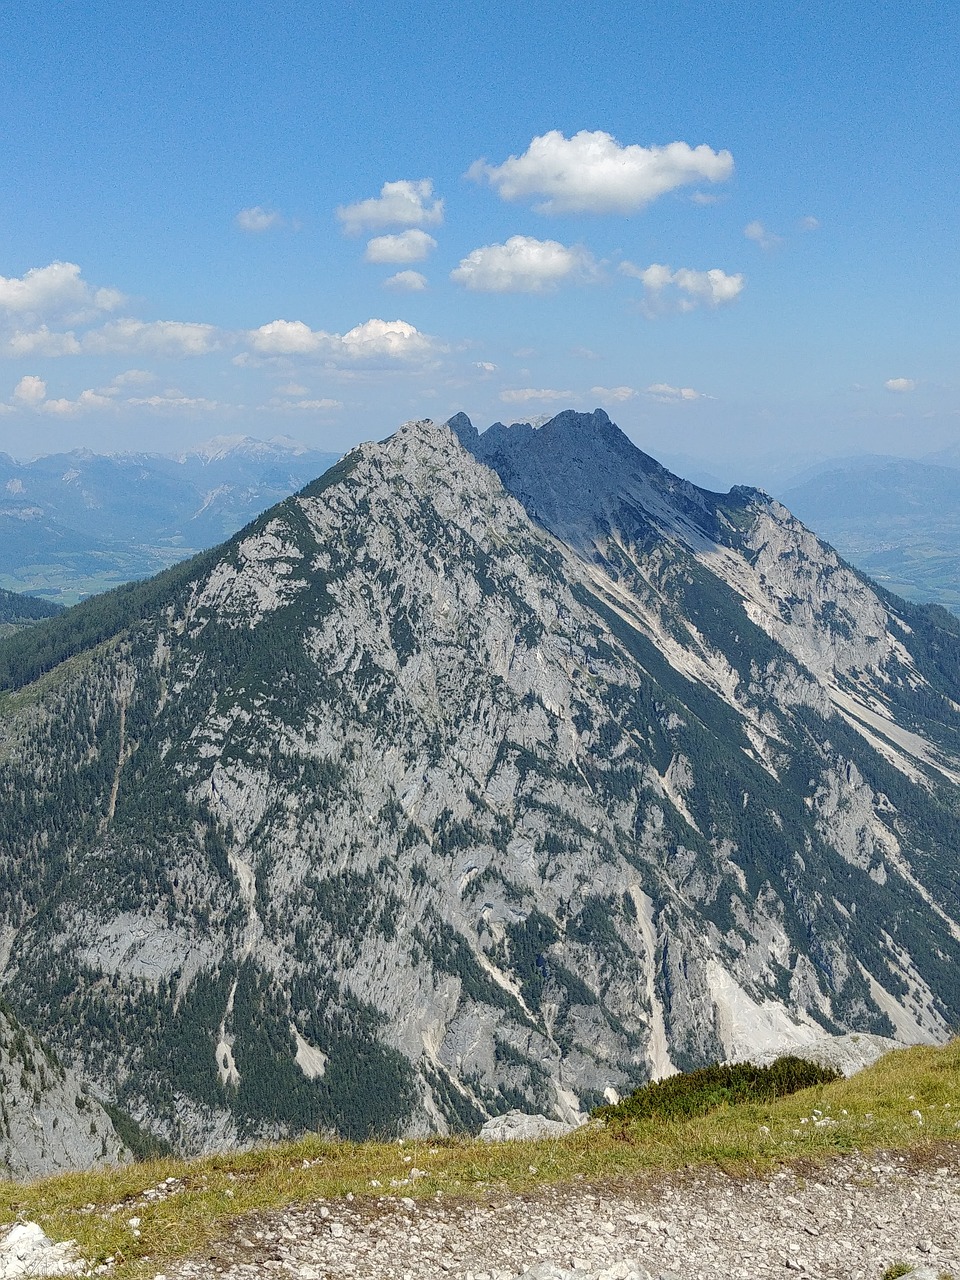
488,771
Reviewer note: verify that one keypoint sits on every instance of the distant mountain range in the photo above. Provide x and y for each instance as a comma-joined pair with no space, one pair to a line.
73,524
488,771
896,519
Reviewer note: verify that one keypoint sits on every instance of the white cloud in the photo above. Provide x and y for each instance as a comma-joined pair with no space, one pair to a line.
393,339
713,288
407,282
257,219
287,338
293,406
133,378
523,395
56,289
593,173
706,197
158,337
43,342
292,389
30,390
485,366
665,394
522,265
400,204
118,337
86,401
900,384
618,394
759,234
408,246
809,223
174,401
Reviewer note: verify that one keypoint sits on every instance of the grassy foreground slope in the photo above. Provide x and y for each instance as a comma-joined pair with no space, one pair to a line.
910,1100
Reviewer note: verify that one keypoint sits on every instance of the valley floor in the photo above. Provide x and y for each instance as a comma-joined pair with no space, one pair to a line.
850,1219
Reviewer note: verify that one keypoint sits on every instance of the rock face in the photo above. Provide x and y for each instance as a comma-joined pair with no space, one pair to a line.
48,1122
486,773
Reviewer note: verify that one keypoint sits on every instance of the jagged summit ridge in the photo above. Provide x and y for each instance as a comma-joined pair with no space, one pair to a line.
407,806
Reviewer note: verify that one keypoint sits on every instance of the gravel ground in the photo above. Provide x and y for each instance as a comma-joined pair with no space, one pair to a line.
849,1221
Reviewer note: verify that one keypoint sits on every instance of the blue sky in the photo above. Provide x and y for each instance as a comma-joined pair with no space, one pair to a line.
733,227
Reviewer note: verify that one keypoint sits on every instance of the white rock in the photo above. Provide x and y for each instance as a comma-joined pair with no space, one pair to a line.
27,1251
519,1126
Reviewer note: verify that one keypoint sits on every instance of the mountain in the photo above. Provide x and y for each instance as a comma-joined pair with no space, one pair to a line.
898,520
72,524
948,457
488,771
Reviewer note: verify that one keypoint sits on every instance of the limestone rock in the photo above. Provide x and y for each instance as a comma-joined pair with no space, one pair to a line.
49,1122
26,1251
847,1054
520,1126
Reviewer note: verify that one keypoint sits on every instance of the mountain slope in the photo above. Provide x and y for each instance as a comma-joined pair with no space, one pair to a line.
18,611
48,1121
419,800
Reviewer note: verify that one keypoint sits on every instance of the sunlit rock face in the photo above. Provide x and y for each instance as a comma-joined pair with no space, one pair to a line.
489,772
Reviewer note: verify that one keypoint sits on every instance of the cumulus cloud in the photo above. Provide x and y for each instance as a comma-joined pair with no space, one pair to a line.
522,265
399,204
523,395
258,219
125,336
685,289
665,394
55,290
593,173
86,401
407,282
809,223
900,384
393,339
157,337
407,246
485,366
30,390
759,234
618,394
43,342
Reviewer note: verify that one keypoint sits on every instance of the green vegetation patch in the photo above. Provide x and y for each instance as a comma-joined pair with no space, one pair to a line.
696,1093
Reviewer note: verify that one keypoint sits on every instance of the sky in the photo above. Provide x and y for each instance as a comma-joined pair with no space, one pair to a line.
732,227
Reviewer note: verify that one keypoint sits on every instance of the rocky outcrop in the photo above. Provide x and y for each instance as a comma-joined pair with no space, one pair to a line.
49,1122
487,773
519,1126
